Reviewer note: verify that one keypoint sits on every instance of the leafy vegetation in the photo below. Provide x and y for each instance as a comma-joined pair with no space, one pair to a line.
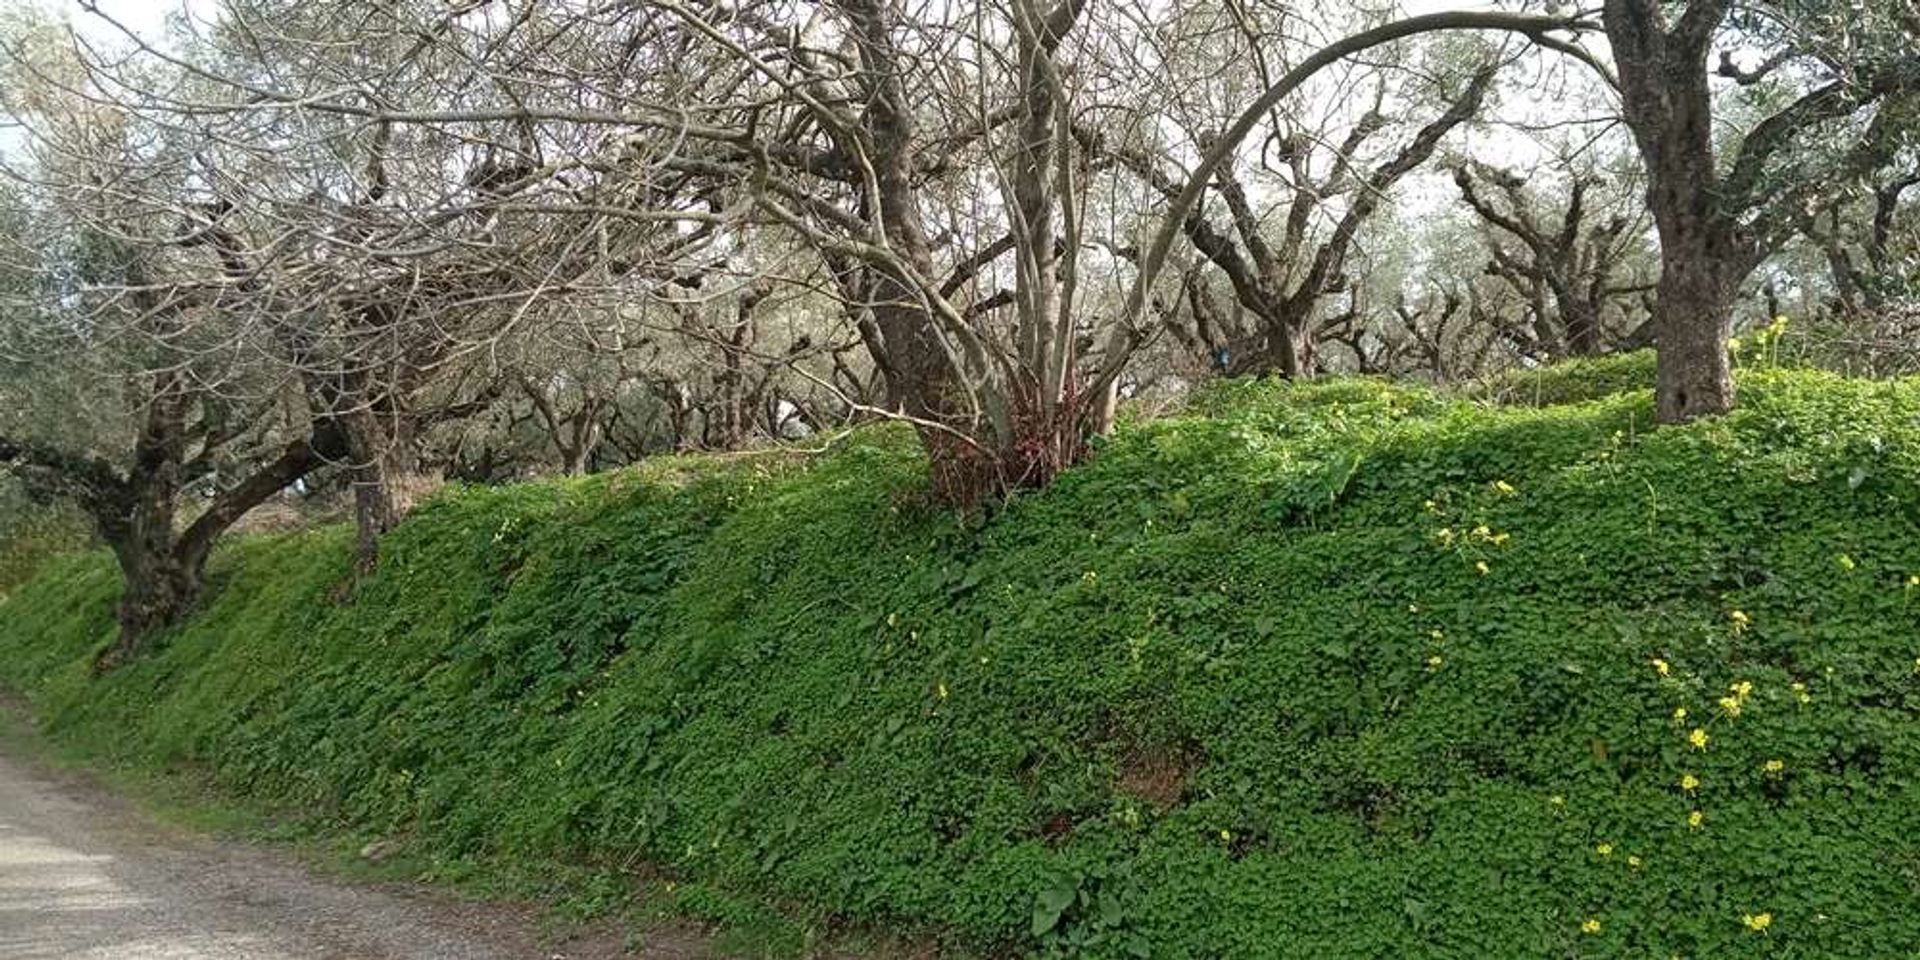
31,532
1571,381
1342,669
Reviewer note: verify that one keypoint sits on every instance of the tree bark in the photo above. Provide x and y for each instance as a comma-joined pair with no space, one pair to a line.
137,520
157,587
1667,102
162,568
1585,338
1694,321
383,469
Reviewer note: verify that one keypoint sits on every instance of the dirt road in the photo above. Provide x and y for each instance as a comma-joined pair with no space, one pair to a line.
84,876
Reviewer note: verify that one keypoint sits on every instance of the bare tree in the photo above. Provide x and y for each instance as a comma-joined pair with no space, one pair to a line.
287,289
1871,249
1570,264
1290,214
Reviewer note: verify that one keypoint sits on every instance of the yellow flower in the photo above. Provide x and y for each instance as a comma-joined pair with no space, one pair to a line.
1437,635
1499,539
1743,689
1845,562
1433,662
1913,580
1503,486
1633,862
1698,738
1445,535
1226,836
1605,849
1592,925
1429,506
1662,667
1757,922
1800,692
1696,819
1740,621
1557,800
1689,782
1481,565
941,689
1730,705
1679,714
1775,766
1733,345
1482,531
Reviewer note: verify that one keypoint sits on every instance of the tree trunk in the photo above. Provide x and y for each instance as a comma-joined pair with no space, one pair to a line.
578,456
1284,324
157,590
374,508
383,496
162,569
137,521
1695,319
581,436
1668,103
385,472
1582,322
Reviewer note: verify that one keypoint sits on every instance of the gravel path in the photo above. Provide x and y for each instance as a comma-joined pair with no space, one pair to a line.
83,876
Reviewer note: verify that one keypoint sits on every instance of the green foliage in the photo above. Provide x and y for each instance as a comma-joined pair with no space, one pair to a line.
32,532
1346,669
1575,381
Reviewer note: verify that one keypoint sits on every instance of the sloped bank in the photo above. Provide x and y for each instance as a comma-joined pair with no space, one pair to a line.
1341,670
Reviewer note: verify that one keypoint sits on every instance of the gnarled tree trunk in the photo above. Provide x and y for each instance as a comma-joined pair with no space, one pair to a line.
162,567
158,585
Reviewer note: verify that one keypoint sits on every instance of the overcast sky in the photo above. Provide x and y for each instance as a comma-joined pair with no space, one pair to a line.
146,17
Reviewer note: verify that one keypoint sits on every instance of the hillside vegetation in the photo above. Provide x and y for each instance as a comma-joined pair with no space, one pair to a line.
1339,670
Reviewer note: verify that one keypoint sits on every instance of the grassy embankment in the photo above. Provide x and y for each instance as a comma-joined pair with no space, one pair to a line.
1330,671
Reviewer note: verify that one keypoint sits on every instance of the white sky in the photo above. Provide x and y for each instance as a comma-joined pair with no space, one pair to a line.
145,17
